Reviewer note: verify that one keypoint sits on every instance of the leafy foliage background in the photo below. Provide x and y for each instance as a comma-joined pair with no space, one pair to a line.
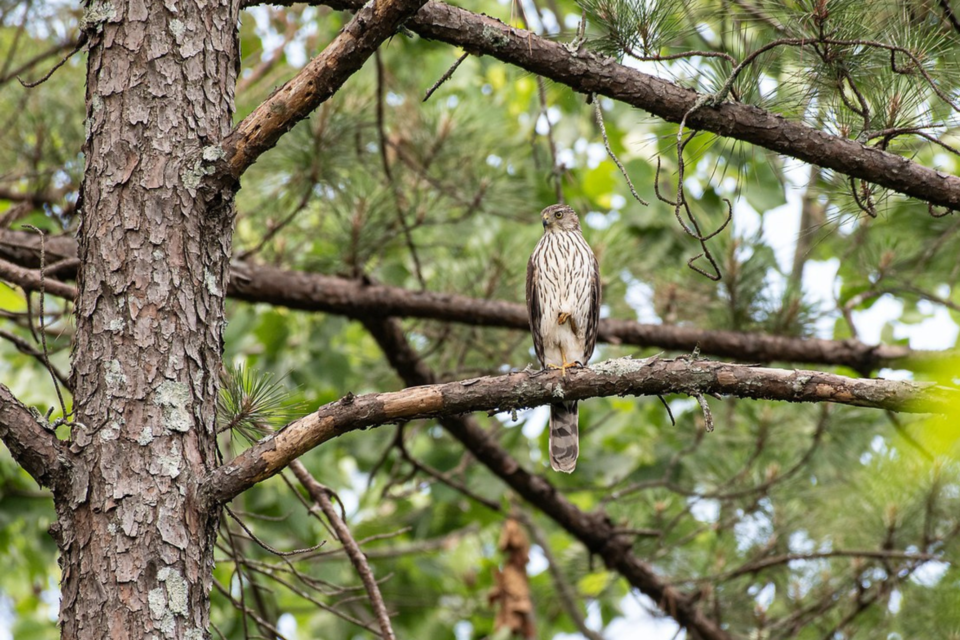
444,196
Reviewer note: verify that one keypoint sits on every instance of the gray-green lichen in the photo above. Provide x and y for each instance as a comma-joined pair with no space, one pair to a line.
111,431
168,626
39,418
169,600
177,589
800,382
157,600
494,38
193,176
167,464
145,437
174,398
213,153
177,28
97,13
213,286
620,366
558,391
115,377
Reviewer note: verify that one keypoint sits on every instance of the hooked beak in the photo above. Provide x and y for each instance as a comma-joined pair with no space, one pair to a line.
545,220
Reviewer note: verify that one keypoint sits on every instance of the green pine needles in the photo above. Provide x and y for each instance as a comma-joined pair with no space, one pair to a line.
253,405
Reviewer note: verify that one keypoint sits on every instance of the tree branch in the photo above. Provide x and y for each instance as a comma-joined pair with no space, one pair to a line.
315,292
321,495
317,81
624,376
595,530
34,448
588,72
30,279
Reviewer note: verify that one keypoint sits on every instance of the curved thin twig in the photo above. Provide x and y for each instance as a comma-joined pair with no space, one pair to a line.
321,495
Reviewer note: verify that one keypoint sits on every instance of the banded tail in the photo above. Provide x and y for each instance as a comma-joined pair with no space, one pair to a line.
564,436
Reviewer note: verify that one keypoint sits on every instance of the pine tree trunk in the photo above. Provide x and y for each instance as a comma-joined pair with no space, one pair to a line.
136,548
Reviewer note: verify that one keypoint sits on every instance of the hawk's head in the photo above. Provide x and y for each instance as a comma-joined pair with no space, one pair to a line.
559,217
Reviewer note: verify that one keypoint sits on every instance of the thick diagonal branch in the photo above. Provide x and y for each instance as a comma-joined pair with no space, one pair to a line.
589,73
315,292
321,78
624,376
35,448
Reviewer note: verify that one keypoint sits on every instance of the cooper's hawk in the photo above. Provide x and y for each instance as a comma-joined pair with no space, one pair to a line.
563,300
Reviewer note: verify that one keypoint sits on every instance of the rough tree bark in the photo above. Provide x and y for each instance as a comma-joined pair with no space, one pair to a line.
154,242
136,549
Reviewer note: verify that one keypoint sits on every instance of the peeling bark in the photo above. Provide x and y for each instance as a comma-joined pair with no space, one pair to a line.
136,548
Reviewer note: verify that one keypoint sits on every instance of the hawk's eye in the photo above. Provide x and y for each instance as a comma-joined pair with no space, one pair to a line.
559,214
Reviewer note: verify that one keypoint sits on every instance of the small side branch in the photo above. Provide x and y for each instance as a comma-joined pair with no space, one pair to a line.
320,78
34,448
606,143
33,280
321,495
446,76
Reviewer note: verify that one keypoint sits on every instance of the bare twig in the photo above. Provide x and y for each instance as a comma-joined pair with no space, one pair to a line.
43,331
245,611
81,41
606,143
266,546
443,477
446,76
321,495
666,406
772,561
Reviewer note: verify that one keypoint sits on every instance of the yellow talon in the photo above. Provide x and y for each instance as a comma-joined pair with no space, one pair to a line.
566,365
